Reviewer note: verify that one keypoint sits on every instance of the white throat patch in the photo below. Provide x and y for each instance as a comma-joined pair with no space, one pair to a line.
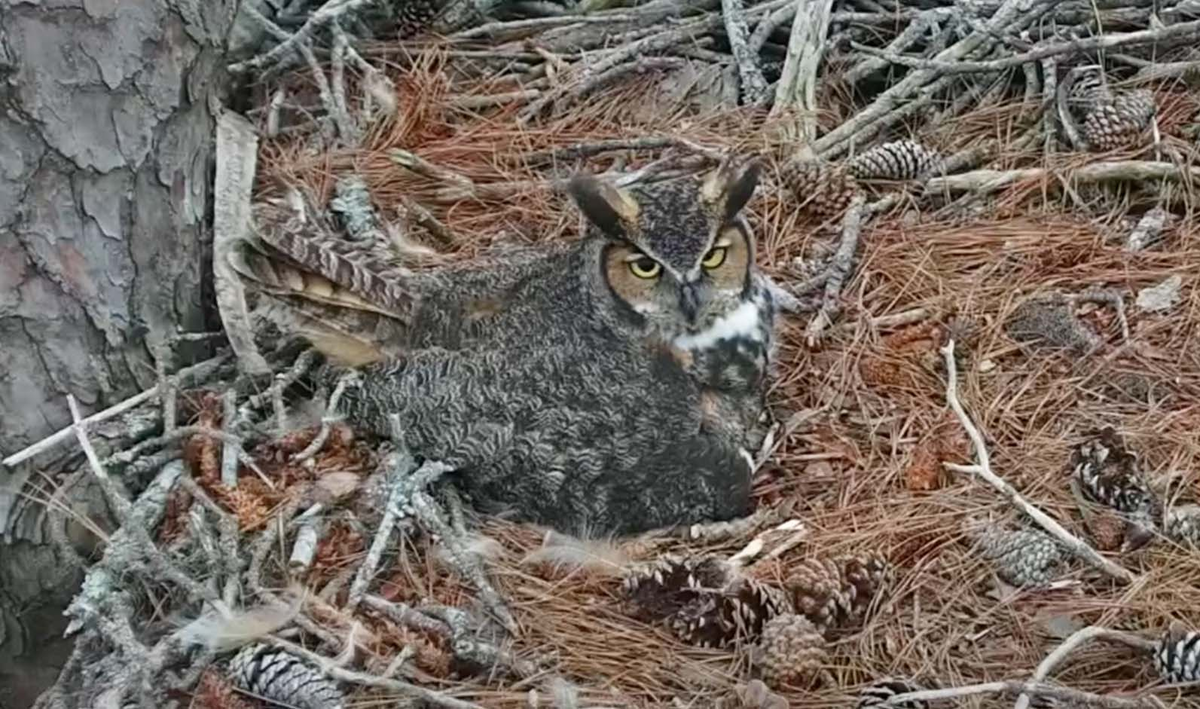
742,321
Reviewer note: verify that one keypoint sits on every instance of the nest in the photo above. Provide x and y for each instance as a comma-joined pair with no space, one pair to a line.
859,459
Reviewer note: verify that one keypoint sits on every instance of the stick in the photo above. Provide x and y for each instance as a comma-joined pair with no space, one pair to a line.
839,269
1065,117
1078,638
229,453
1183,30
797,87
896,95
331,10
237,152
754,85
402,468
329,418
1011,687
1109,171
197,371
983,469
334,672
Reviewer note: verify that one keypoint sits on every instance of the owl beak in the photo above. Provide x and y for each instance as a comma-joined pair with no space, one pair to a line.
689,302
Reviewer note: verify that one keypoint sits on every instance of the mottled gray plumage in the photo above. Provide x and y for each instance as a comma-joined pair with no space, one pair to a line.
605,385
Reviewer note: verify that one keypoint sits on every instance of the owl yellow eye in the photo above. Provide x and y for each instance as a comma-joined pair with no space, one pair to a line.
645,267
714,258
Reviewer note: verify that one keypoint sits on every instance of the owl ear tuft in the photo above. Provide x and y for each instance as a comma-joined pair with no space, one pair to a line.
730,187
610,208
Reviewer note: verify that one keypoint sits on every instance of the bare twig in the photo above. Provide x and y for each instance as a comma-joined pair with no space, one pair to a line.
839,269
1075,697
1182,30
401,469
428,696
754,86
237,151
330,11
797,87
983,469
330,416
229,454
1110,171
1078,638
1066,117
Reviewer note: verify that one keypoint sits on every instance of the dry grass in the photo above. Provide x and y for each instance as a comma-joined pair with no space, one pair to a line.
880,400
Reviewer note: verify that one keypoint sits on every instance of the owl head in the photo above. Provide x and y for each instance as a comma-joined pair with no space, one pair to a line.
677,255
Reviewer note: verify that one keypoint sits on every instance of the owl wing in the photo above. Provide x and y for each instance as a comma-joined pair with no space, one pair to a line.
596,443
348,300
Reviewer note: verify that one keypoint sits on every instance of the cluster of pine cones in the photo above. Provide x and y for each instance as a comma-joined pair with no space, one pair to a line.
826,189
711,603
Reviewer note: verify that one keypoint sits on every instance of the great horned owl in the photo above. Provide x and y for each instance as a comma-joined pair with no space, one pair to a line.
608,384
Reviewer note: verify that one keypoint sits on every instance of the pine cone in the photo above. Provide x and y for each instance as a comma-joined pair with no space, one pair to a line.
281,677
833,592
1118,121
415,17
1025,557
822,190
899,160
1050,322
663,587
1177,657
1182,525
1109,473
726,617
791,651
876,694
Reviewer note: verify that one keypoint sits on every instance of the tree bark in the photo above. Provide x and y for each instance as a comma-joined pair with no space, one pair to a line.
106,135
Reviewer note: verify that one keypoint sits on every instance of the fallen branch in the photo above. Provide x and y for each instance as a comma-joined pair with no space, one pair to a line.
1183,30
330,11
1075,697
1110,171
754,85
196,372
797,87
237,152
1078,638
330,668
983,469
839,269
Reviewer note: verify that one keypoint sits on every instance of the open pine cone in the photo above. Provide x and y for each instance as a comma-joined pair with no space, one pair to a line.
820,189
898,160
736,613
833,592
1119,121
1177,657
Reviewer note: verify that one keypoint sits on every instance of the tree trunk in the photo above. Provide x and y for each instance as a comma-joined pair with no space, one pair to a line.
106,136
